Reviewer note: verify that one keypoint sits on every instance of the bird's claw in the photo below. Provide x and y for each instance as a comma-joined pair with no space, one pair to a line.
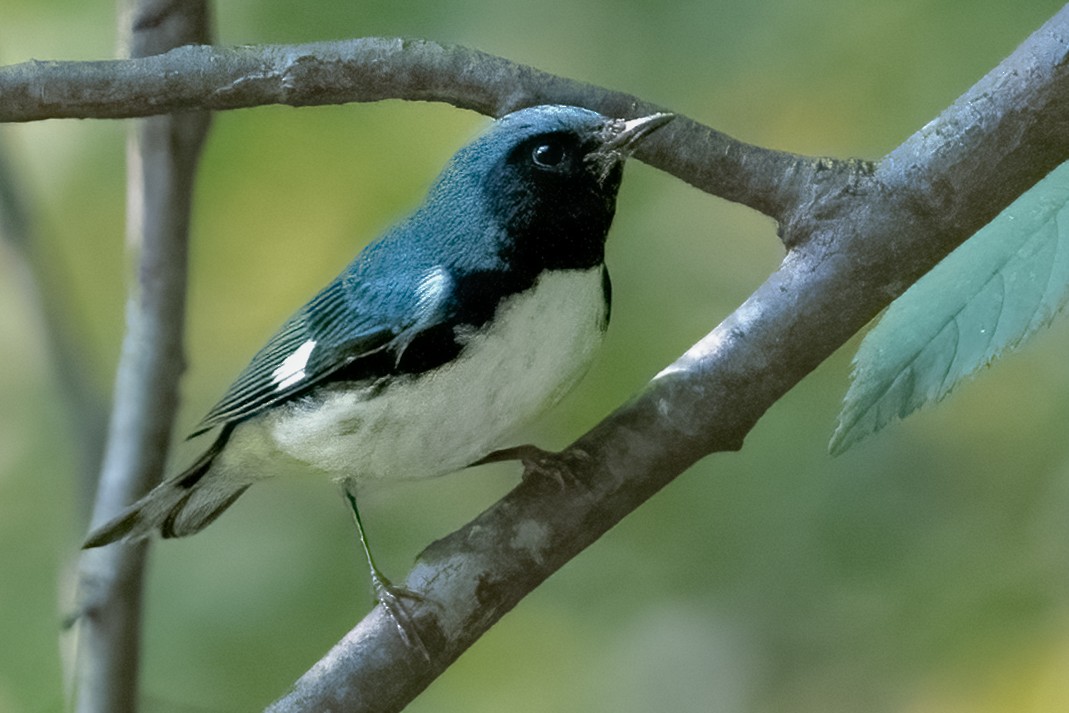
390,596
557,466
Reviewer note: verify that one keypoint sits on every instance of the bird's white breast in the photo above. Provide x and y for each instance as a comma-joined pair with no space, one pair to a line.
535,349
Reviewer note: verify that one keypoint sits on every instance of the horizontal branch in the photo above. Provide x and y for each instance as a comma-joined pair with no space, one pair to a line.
858,240
373,69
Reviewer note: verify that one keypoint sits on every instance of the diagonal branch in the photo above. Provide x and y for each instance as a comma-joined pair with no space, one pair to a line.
858,244
372,69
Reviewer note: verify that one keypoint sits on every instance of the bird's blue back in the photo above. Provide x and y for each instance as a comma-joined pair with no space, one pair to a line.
365,322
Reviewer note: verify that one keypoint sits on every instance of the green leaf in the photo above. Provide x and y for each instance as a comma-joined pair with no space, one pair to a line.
990,294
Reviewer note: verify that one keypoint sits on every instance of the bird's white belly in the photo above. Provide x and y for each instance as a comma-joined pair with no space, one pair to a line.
535,349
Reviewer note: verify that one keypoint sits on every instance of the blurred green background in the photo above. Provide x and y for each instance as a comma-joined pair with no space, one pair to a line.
925,571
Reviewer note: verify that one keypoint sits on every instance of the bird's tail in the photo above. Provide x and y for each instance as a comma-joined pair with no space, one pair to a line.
177,507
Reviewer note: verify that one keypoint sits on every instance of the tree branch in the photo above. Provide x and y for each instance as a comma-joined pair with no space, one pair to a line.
858,235
88,408
161,167
858,241
372,69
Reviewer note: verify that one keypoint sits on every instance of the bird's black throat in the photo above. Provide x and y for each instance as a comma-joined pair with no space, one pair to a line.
547,220
552,219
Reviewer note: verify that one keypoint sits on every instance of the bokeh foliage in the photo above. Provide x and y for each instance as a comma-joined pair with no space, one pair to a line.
926,570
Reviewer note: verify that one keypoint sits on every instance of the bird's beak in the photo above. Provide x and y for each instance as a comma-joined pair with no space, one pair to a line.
623,136
620,137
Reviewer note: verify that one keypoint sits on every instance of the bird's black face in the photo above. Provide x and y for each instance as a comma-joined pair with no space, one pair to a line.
553,204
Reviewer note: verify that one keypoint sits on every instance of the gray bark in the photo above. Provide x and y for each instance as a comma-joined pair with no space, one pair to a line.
161,164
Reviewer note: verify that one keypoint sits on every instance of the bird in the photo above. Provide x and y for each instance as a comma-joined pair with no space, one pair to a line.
438,342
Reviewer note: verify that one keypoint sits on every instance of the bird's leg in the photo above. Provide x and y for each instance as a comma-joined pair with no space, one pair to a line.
558,466
386,593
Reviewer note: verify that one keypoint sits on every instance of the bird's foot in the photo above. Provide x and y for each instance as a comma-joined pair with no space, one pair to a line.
390,596
557,466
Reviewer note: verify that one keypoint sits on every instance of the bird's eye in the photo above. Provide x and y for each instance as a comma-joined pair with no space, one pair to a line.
548,154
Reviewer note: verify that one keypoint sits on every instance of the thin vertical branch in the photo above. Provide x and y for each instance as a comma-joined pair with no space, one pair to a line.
162,160
41,285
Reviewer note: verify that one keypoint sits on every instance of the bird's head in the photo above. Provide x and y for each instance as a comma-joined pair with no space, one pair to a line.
546,178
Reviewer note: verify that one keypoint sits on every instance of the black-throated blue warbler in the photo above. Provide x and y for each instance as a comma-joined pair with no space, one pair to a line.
460,324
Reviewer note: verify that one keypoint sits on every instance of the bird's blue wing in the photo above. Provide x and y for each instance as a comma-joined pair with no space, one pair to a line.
350,319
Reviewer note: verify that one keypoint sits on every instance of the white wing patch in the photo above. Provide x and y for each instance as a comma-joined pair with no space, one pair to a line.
431,289
291,370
